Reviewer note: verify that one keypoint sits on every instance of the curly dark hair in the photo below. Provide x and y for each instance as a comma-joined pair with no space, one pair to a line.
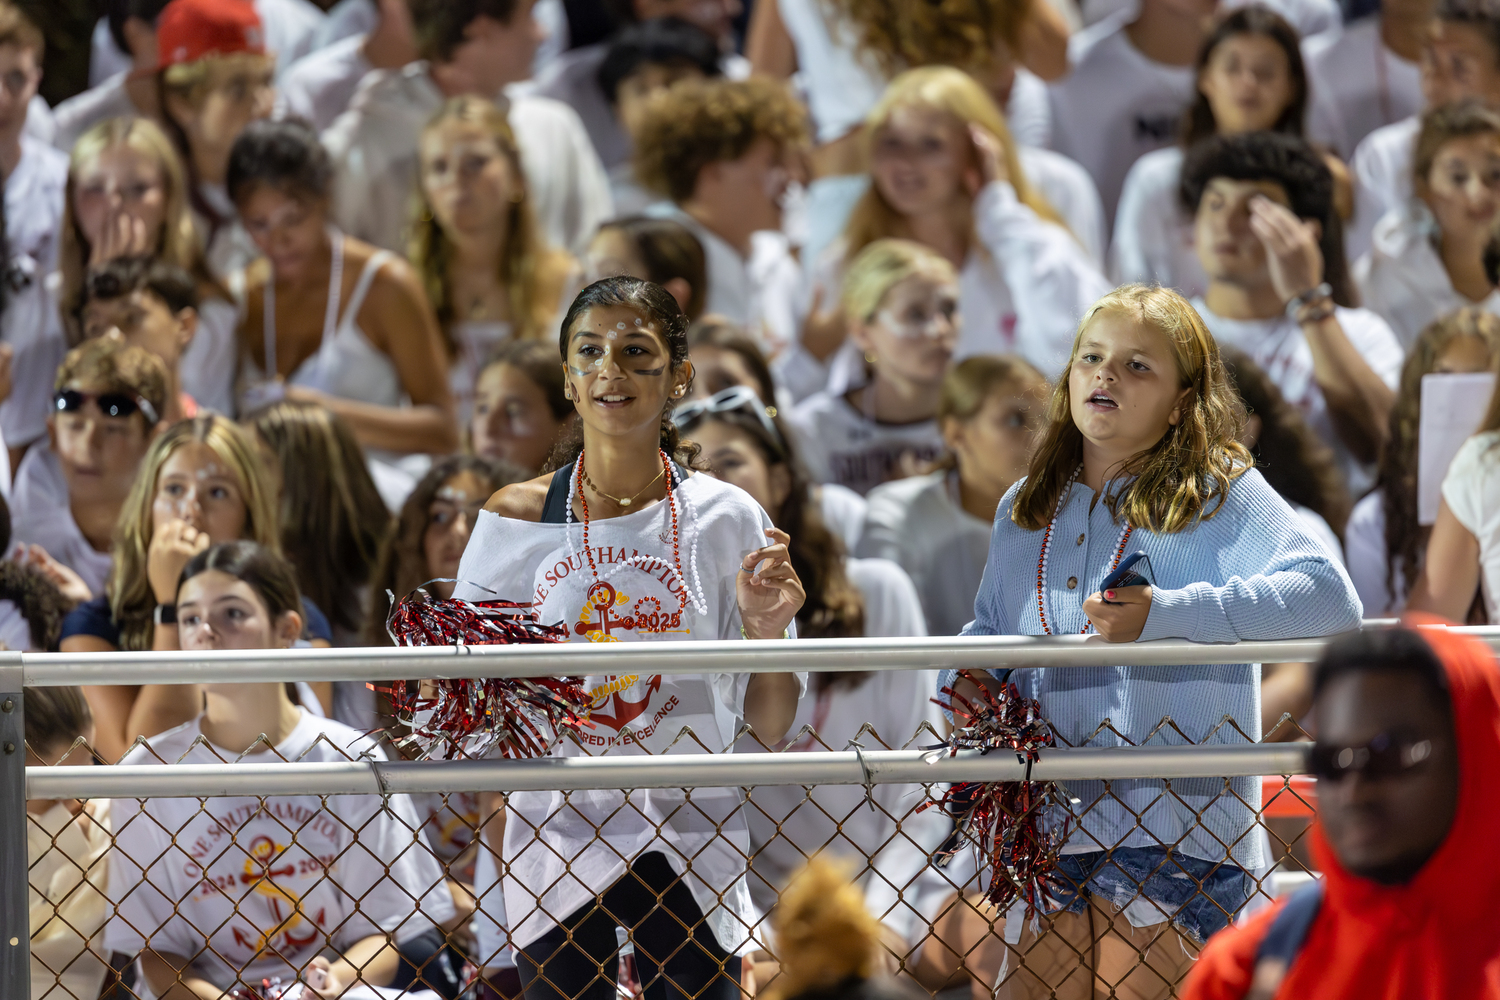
438,26
1295,462
903,35
1281,159
1198,122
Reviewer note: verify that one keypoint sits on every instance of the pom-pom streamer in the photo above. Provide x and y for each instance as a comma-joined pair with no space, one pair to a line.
513,717
1004,820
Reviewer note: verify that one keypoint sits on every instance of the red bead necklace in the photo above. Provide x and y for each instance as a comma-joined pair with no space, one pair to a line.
1041,563
583,503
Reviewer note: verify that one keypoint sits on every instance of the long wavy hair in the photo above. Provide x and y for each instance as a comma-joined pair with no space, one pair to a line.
1183,478
900,34
1198,121
402,566
176,243
532,273
1405,539
959,96
128,588
656,306
332,515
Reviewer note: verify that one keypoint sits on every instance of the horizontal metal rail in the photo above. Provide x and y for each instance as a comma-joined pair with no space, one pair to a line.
717,656
876,767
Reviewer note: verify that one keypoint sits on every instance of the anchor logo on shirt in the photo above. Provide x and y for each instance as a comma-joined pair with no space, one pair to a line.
602,598
260,874
627,711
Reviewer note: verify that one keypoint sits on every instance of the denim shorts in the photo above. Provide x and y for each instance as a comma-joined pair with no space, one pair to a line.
1201,897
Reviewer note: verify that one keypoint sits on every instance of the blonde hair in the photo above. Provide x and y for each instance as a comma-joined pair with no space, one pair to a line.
129,589
959,96
531,272
973,380
191,81
883,265
1172,484
177,242
824,932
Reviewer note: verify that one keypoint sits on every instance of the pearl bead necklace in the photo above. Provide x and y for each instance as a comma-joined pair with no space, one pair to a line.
1041,563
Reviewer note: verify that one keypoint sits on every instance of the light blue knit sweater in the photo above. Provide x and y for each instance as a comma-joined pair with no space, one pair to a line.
1251,571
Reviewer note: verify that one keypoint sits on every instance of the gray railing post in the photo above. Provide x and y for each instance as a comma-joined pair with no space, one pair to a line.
15,930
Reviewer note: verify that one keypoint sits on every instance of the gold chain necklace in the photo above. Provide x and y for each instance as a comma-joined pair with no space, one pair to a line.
621,501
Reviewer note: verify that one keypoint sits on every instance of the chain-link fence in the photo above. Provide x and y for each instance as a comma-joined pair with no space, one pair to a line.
211,874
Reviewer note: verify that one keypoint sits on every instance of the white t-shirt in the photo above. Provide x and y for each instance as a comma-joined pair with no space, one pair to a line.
1279,347
1309,17
320,85
1364,545
374,149
1154,240
563,849
1363,85
919,524
1382,180
1403,279
34,194
68,878
210,879
1069,189
82,112
209,365
841,445
843,512
1472,492
1115,105
40,516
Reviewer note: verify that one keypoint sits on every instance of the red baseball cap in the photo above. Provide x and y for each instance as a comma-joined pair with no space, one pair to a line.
188,30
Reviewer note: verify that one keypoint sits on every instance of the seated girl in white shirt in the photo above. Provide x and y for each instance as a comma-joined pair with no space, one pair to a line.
902,303
295,882
1427,257
520,410
945,172
1384,543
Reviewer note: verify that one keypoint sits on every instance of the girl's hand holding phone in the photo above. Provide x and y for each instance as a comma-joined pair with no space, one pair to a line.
1119,614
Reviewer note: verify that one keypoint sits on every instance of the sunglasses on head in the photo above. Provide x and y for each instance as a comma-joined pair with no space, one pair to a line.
737,398
111,404
1385,756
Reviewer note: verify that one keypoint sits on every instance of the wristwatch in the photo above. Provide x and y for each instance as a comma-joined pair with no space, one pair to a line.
165,614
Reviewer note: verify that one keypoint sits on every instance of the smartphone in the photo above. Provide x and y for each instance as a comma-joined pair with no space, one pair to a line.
1134,571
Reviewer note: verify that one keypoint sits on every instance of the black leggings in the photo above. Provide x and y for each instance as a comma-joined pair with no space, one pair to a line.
577,959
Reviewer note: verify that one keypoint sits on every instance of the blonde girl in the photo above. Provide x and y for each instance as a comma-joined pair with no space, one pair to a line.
945,172
201,483
1140,452
127,196
487,269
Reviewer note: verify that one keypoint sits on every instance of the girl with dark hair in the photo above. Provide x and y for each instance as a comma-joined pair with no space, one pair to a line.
520,407
1386,544
1250,79
663,251
624,543
329,319
345,892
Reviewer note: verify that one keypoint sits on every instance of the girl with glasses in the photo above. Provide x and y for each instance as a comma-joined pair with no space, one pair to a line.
623,543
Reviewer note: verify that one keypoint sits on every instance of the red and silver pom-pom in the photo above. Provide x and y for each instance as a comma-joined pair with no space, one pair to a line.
1005,820
506,716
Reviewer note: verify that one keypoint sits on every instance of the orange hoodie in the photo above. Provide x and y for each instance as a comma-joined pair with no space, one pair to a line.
1435,938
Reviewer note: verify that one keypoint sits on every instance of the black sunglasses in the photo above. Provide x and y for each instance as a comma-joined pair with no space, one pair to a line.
111,404
1383,757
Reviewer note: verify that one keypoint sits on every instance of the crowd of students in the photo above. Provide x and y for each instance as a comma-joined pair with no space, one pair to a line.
844,318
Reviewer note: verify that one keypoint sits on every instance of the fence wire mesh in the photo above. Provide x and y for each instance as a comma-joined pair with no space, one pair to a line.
468,896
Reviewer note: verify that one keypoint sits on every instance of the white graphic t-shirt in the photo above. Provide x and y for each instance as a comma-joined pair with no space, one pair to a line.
252,889
564,848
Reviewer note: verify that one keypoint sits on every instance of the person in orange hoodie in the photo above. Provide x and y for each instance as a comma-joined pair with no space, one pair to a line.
1408,767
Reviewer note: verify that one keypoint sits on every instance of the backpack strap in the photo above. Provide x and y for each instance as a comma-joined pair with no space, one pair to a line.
1284,940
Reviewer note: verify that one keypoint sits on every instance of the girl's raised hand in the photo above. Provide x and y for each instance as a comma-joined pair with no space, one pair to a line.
124,235
1119,615
767,589
989,157
172,546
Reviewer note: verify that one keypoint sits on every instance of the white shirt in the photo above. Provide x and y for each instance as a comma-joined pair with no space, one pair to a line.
320,85
67,882
1279,347
82,112
346,18
374,148
1309,17
1070,190
1403,279
1363,84
1382,180
1368,558
1472,492
1154,239
843,513
1115,105
838,444
40,515
562,850
205,878
209,365
919,524
31,325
